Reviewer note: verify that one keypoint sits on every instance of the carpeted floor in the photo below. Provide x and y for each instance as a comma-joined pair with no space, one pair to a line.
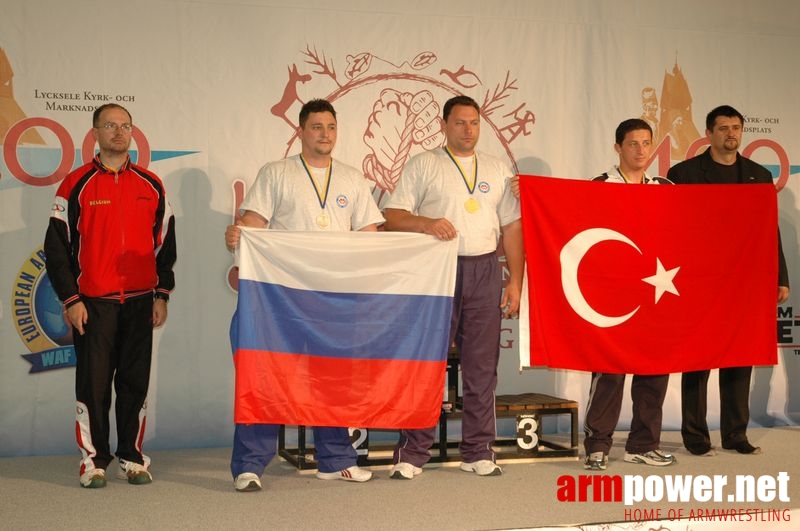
192,489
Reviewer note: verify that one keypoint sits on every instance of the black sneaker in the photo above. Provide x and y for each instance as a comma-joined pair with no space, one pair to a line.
744,447
703,451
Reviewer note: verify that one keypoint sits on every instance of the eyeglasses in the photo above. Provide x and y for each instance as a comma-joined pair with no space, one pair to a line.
111,126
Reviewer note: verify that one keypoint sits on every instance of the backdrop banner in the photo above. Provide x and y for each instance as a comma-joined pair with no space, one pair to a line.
214,89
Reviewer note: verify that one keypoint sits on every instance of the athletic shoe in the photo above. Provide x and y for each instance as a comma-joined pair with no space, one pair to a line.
596,461
404,471
247,482
744,447
93,479
484,467
135,473
352,473
653,458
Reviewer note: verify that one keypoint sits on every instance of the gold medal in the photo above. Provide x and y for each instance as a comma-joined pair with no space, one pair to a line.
471,205
323,220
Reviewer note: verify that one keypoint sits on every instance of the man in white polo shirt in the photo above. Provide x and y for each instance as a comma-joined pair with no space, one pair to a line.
452,192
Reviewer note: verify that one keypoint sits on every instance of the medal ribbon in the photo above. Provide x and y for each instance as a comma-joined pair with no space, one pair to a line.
645,180
322,197
470,189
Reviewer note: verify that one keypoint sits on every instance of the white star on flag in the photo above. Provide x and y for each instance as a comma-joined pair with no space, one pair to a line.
662,280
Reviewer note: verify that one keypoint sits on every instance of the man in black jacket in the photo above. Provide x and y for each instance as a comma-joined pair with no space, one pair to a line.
722,164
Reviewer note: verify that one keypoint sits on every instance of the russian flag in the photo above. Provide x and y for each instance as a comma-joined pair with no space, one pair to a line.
342,328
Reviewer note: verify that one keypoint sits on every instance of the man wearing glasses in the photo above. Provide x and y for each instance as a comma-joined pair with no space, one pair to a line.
110,249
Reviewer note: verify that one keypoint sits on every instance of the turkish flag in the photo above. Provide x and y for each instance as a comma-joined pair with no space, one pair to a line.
650,279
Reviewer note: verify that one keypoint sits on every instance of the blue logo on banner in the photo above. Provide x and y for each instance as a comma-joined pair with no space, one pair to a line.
47,360
39,318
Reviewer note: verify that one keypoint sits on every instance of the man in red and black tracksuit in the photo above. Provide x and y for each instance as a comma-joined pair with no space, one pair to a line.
110,248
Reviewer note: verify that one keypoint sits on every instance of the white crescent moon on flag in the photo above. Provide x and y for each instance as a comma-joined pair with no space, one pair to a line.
571,255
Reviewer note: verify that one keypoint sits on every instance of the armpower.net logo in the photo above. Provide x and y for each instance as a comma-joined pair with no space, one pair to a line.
698,491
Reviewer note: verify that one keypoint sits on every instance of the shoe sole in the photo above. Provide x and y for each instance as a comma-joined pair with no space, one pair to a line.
97,483
251,486
594,467
756,451
336,475
496,472
397,474
711,452
638,461
140,479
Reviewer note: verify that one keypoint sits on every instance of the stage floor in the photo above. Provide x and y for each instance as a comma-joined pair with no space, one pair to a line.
193,489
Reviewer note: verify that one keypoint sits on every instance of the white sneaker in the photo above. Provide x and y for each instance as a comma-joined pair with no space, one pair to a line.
135,473
404,471
484,467
652,458
352,473
247,482
93,479
596,461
